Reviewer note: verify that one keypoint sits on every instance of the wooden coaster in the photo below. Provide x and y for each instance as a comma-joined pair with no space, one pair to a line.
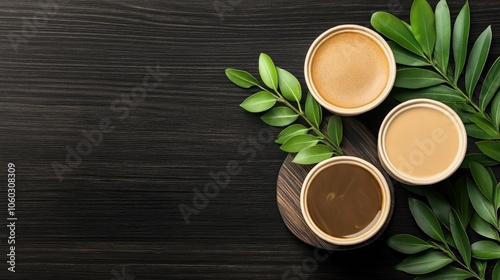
358,141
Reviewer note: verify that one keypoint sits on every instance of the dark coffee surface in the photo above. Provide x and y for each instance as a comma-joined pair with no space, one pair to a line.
344,199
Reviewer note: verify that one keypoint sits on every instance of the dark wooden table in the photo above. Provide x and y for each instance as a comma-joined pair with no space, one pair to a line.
144,81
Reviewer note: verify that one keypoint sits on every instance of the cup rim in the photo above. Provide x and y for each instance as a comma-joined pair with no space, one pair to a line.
376,38
386,200
421,103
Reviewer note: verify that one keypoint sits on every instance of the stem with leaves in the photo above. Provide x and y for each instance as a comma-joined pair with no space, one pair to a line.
423,51
284,88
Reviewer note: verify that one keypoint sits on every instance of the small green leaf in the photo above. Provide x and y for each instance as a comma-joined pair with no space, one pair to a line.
259,102
405,57
424,263
483,207
299,142
490,86
464,116
460,39
497,197
490,148
447,273
423,25
414,78
476,132
465,107
335,129
476,61
289,85
486,126
267,71
426,219
280,116
418,190
478,157
483,228
408,244
289,132
440,93
483,179
496,271
495,110
443,35
241,78
459,197
313,111
440,206
481,267
486,250
313,154
396,30
460,237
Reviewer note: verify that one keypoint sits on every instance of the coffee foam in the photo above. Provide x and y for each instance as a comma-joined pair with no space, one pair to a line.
349,69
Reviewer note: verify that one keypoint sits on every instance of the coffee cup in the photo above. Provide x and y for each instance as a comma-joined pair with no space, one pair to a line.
345,201
350,69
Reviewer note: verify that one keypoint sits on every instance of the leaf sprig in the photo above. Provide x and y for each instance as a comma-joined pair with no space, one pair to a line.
307,139
449,253
423,50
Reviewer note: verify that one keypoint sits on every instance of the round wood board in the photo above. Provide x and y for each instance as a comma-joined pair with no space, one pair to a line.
358,141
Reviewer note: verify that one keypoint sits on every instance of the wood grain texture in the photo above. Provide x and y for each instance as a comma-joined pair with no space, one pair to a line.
118,209
359,142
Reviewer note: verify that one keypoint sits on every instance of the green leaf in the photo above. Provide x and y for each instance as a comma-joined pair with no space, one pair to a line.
440,206
335,129
418,190
481,267
289,132
459,197
476,132
460,39
460,237
478,157
424,263
405,57
423,25
477,59
483,179
486,250
439,93
414,78
313,154
396,30
447,273
259,102
483,228
241,78
443,35
490,86
497,197
496,271
464,116
280,116
289,85
465,107
313,111
408,244
299,142
267,71
495,110
490,148
426,219
486,126
483,207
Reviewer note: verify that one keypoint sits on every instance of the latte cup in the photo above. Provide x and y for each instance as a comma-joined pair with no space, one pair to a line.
346,201
350,69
